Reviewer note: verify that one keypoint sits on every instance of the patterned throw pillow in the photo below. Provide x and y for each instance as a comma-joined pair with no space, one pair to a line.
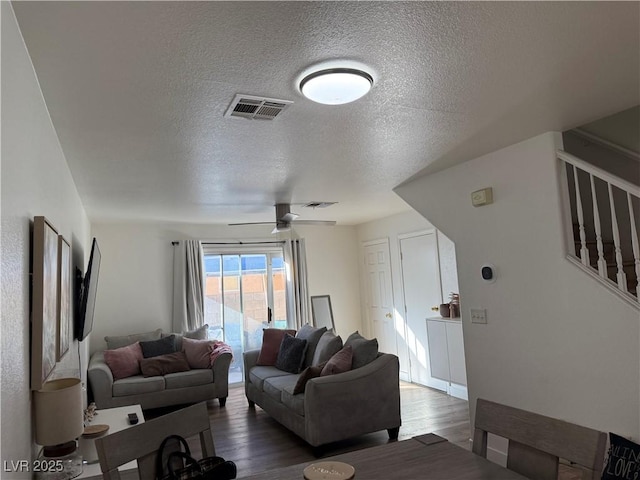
291,354
162,346
125,361
339,363
623,461
271,340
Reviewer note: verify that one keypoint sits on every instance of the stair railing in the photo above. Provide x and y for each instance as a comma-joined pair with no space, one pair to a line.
594,194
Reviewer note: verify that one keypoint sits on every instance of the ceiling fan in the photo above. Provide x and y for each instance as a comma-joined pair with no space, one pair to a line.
284,218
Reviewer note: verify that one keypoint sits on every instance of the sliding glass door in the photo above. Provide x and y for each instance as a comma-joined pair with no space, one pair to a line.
244,293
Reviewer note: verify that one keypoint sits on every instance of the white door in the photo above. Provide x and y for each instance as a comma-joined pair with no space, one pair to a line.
421,286
380,294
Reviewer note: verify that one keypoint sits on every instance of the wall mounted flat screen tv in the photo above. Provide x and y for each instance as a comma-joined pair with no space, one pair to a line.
87,294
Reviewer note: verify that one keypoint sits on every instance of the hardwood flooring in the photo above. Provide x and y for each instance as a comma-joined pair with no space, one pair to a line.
256,442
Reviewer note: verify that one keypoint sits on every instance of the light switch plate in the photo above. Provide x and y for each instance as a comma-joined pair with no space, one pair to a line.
478,315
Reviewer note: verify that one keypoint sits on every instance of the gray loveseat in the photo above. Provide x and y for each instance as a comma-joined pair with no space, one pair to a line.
333,407
192,386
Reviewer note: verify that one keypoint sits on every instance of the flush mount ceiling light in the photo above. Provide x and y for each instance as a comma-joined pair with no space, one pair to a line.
336,86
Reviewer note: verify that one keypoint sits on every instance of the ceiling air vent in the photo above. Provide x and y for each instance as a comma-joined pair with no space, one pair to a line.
249,106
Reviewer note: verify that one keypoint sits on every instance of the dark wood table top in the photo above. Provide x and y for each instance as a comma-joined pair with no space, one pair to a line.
420,458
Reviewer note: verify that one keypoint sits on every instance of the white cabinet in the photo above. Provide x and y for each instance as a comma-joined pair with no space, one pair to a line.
446,350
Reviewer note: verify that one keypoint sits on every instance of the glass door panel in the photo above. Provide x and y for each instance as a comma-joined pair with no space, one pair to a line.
240,293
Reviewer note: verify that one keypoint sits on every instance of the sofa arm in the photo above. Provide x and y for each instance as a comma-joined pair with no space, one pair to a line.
360,401
220,369
250,358
100,380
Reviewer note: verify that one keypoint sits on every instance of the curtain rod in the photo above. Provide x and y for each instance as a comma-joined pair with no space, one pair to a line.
274,242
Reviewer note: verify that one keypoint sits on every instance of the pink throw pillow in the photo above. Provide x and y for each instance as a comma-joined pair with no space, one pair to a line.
198,352
340,362
125,361
271,340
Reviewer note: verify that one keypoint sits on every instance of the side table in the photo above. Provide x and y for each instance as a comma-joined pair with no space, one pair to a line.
117,420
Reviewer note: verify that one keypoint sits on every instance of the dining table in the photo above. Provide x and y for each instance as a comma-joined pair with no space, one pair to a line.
423,457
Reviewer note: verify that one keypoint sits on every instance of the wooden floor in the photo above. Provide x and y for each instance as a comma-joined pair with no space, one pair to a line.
256,442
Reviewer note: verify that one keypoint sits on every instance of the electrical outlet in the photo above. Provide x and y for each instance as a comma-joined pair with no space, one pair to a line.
478,315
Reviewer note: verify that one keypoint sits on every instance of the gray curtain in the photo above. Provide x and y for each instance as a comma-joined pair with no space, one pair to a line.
188,286
298,308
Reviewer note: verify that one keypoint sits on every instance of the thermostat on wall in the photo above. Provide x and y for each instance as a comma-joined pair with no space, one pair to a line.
488,272
482,197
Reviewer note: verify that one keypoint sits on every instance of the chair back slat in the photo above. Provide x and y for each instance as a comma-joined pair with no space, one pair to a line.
538,441
141,442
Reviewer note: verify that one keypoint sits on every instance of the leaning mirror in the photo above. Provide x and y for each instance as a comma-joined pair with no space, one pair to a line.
321,311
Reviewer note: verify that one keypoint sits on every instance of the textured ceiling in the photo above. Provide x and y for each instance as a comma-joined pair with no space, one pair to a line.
137,93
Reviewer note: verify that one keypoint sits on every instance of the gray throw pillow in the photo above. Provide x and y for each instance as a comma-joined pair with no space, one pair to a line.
162,346
291,354
364,351
312,335
328,345
200,333
120,341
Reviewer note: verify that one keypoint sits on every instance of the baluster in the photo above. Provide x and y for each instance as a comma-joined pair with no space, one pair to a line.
584,253
636,247
602,263
620,276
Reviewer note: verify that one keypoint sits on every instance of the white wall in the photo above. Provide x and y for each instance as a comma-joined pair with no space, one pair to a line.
135,285
556,342
392,228
35,181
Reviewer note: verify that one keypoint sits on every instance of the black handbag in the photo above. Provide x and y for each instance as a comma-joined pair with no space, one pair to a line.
180,465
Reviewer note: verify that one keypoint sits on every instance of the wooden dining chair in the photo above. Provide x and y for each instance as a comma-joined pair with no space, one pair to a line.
141,442
536,442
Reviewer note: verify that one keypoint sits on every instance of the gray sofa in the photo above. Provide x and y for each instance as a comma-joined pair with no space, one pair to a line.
191,386
333,407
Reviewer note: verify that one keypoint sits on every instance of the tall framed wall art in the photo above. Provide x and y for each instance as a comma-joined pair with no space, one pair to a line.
44,308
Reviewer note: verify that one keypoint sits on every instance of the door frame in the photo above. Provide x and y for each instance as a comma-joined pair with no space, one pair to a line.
369,243
433,382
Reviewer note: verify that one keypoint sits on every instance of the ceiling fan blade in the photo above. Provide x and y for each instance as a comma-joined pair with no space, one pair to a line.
251,223
288,217
328,223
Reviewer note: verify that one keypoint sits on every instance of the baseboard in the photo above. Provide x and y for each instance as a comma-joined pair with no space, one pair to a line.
458,391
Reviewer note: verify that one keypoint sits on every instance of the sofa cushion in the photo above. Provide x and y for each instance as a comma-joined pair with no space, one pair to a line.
164,364
259,374
198,352
124,361
191,378
274,386
291,354
364,351
340,362
271,340
294,402
328,345
114,342
306,375
162,346
137,385
312,335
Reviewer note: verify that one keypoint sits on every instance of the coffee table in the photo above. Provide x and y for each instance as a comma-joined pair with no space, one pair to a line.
117,420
